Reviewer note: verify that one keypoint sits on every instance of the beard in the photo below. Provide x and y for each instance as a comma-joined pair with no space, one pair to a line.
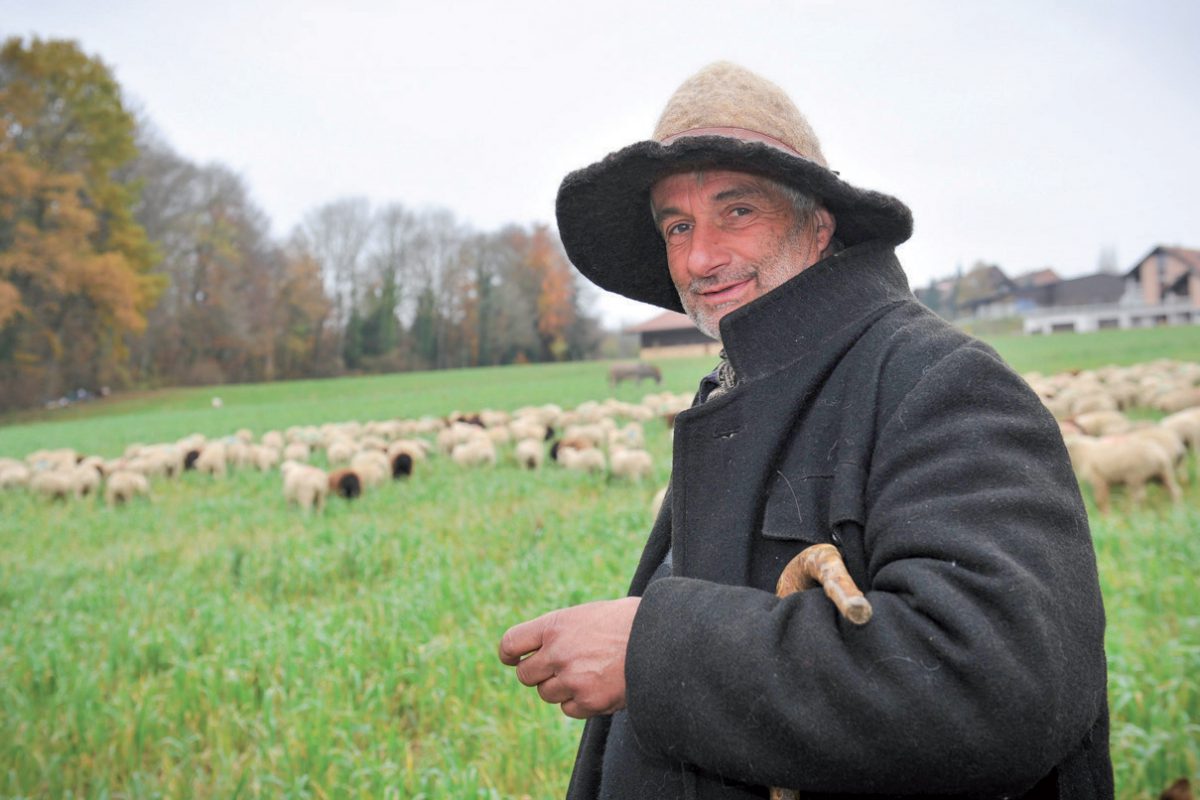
785,261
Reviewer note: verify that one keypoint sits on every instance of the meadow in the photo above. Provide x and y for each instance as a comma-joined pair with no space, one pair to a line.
213,642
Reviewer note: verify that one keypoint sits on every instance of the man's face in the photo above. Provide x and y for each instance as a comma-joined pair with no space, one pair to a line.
731,238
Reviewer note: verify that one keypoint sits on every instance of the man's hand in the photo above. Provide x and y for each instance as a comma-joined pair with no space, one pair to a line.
575,656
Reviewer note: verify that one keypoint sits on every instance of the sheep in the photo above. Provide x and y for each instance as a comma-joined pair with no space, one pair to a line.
587,460
1127,459
474,453
296,451
372,467
1178,399
631,464
1170,441
123,485
274,440
345,483
629,437
263,458
1101,423
87,479
415,449
212,460
54,484
1187,425
402,465
530,453
14,474
340,451
304,485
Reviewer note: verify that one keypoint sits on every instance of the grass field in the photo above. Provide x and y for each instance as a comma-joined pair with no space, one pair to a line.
213,643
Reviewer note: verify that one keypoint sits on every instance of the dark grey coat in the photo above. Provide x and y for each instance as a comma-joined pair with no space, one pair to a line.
864,420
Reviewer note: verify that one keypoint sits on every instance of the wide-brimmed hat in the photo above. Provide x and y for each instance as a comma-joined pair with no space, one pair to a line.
723,117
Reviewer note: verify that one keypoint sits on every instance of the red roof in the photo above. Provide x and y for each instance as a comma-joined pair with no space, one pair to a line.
666,321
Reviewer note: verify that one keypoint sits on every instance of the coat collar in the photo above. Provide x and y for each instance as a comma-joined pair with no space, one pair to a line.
783,325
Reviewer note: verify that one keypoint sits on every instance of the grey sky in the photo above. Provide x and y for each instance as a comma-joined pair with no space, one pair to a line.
1028,134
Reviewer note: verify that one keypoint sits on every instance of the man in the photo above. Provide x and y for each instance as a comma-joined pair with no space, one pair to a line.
842,412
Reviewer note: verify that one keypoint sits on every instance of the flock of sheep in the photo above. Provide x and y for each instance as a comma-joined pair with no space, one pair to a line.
595,437
1107,447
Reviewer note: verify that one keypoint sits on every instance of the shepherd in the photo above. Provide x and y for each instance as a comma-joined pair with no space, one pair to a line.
842,412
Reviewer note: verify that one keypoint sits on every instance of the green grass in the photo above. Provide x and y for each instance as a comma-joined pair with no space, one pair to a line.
214,643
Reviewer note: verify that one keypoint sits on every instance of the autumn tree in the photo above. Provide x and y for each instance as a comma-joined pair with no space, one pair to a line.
74,263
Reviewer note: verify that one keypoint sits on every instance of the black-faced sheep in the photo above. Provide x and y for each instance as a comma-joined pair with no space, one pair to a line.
345,483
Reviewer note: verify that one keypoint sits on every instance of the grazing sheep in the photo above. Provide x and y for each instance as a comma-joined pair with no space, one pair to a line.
264,457
304,485
1178,399
587,460
296,451
244,435
345,483
87,479
1101,423
530,453
340,451
54,484
123,485
631,464
402,465
1126,459
1187,425
14,474
274,440
1170,441
415,449
474,453
211,460
372,466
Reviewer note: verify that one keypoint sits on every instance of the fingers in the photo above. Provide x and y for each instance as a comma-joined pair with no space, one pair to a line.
523,639
535,669
554,691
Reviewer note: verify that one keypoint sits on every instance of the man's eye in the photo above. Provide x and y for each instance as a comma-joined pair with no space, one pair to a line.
740,211
678,227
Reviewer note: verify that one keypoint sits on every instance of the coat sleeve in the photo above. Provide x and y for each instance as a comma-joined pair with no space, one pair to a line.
983,666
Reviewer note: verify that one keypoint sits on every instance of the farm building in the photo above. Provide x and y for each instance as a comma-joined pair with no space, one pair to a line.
1163,288
672,334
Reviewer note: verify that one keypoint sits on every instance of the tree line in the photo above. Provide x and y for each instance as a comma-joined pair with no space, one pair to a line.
123,263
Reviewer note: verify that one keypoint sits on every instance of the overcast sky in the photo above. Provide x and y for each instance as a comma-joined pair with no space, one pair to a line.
1027,134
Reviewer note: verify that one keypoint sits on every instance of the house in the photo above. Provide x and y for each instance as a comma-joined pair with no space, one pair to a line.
1163,288
673,334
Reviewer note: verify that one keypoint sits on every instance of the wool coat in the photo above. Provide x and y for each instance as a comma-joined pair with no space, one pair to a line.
863,420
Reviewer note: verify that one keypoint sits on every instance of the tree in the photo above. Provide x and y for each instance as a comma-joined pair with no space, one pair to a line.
74,263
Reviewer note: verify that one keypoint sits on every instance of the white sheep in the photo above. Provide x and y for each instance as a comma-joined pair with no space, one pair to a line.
475,453
296,451
586,460
264,457
14,474
1187,425
530,453
631,464
304,485
123,485
54,484
372,467
211,460
1127,459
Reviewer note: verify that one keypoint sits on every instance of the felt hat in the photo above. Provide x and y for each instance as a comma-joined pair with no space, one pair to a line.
723,117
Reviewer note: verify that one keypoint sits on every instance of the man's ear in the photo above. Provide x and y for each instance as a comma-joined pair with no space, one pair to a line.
826,225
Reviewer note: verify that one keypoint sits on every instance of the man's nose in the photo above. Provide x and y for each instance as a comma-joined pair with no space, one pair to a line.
708,252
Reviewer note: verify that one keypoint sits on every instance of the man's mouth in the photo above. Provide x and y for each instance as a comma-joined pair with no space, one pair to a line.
725,292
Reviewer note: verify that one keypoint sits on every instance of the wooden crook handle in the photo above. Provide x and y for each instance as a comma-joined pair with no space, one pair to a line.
822,564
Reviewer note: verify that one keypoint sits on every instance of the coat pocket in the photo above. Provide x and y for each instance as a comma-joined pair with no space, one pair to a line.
797,509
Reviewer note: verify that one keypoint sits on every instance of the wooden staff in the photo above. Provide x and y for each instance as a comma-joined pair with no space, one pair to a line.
822,564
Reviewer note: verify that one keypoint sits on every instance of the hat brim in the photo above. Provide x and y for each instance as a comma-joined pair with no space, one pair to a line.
606,227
